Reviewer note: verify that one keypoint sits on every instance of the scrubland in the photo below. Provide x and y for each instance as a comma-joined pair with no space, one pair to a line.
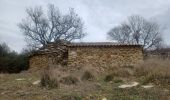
63,83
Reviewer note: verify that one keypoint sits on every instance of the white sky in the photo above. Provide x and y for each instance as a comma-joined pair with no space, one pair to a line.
99,16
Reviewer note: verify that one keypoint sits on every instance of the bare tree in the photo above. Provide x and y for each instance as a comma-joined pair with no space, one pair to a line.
40,29
137,30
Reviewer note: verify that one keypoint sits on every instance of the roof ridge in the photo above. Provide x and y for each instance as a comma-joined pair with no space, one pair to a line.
100,44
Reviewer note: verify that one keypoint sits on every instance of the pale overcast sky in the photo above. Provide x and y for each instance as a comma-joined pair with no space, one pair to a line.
99,16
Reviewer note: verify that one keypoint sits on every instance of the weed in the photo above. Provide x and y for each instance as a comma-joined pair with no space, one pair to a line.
48,82
69,80
108,77
87,76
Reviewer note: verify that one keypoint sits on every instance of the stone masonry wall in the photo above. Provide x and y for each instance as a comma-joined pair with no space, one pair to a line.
104,56
42,61
100,57
38,62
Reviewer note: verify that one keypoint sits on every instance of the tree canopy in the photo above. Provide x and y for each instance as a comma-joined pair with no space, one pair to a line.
137,30
40,28
11,61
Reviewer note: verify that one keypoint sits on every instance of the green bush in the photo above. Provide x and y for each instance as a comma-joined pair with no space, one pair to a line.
12,62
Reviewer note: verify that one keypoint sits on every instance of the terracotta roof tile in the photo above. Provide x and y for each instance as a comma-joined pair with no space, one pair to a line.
53,47
98,44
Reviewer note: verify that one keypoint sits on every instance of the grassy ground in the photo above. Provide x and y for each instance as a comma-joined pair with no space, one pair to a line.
12,89
20,87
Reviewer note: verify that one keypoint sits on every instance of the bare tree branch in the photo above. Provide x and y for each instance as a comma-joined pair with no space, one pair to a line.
137,30
40,29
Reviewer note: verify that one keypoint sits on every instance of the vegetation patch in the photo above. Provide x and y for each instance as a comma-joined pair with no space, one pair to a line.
109,77
137,93
69,80
118,80
122,72
11,61
72,97
49,82
154,71
87,76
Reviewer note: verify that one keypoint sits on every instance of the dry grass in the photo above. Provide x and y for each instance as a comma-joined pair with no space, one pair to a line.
155,71
119,73
48,80
69,80
72,97
122,72
112,78
68,83
60,76
88,76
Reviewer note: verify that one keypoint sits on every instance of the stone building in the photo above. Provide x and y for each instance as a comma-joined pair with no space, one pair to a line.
97,54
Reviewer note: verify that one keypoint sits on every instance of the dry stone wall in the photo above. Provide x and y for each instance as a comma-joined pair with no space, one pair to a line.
42,61
38,62
104,56
95,56
51,54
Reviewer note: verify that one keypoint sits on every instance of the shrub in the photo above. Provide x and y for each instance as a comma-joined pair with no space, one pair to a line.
69,80
48,81
117,80
123,72
87,76
11,61
109,77
154,71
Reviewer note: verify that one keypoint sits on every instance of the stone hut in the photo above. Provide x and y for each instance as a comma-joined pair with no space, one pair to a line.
96,54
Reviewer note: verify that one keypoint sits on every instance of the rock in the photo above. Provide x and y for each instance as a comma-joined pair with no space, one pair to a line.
36,82
129,85
104,98
98,85
147,86
20,79
5,92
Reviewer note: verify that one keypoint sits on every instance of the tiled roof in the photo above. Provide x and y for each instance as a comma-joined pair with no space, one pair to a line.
53,47
98,44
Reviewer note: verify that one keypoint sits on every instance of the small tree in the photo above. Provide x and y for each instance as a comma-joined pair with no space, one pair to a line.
137,30
40,29
11,61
